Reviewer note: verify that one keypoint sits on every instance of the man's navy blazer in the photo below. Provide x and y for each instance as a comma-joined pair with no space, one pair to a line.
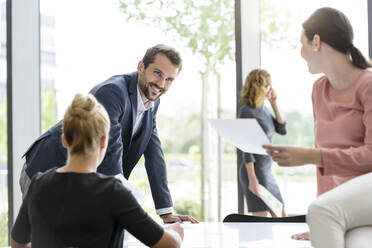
118,95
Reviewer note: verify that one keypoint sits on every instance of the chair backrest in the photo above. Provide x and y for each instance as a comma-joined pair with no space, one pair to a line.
250,218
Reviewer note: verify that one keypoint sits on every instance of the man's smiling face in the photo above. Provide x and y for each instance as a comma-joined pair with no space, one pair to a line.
156,79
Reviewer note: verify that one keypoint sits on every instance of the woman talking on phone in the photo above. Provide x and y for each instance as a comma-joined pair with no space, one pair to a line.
255,168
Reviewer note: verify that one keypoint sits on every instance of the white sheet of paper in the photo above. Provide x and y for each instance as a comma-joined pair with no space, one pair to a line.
245,134
274,204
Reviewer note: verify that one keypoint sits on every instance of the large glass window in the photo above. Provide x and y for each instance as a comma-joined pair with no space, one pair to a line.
48,69
281,26
77,53
3,130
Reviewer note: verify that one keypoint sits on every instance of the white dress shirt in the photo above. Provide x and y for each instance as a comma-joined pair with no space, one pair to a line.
141,109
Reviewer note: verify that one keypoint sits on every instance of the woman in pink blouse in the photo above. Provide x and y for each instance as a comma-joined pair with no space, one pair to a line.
342,106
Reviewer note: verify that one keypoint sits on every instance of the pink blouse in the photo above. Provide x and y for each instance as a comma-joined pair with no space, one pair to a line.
343,130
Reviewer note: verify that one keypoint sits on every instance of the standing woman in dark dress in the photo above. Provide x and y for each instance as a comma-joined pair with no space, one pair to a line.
256,168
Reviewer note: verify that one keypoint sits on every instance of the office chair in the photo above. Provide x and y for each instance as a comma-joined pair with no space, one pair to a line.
250,218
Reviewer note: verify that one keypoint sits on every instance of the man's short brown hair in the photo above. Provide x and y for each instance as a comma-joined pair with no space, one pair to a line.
171,53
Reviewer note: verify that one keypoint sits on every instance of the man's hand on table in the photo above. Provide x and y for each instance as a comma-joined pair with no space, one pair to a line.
171,218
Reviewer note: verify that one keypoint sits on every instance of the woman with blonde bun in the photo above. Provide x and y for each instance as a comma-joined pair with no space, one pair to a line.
74,206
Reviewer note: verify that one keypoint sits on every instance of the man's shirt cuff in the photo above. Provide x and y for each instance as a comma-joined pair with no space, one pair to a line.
162,211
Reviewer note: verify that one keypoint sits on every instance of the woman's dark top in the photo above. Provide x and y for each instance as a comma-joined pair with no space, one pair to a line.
262,163
81,210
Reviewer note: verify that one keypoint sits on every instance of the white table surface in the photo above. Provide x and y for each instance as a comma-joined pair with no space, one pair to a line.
233,235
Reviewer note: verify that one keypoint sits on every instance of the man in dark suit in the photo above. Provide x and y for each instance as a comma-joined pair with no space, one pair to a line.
131,101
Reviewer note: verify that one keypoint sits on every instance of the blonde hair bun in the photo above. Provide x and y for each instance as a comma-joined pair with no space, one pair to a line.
85,122
82,107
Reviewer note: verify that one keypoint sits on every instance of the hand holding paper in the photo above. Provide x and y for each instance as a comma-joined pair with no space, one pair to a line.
245,134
